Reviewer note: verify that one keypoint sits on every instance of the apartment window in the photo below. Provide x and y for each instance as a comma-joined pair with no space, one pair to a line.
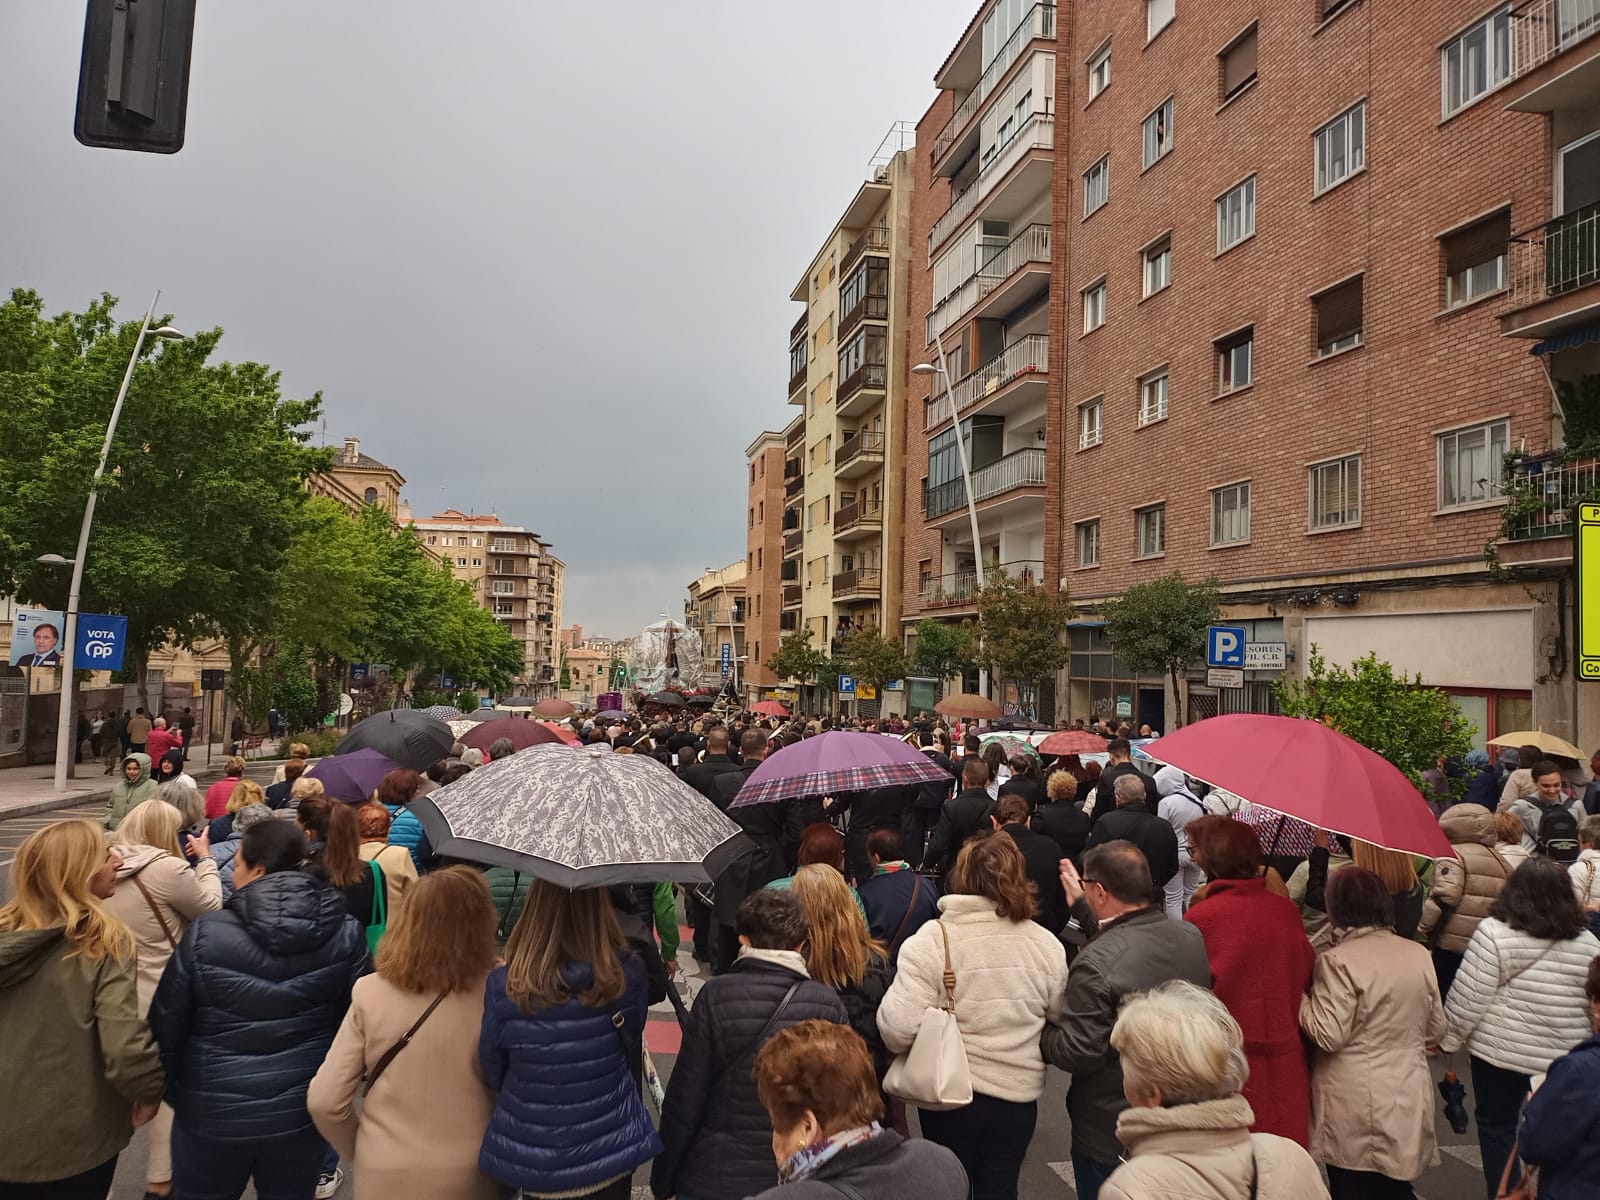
1094,306
433,539
1230,514
761,510
1239,64
1153,398
1158,15
1236,361
477,541
1157,266
1338,317
750,519
1100,71
1158,132
1097,186
1336,493
1470,463
811,403
1475,260
1236,215
1476,61
1342,147
1089,422
752,472
477,562
1151,525
1088,535
503,587
461,562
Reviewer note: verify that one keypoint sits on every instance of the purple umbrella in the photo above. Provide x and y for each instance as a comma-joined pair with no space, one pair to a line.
352,777
838,762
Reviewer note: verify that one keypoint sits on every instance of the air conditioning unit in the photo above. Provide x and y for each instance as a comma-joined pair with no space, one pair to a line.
881,174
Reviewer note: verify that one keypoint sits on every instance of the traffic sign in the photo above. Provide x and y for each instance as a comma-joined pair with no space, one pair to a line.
1266,656
1224,677
1225,646
346,703
727,659
847,685
1588,599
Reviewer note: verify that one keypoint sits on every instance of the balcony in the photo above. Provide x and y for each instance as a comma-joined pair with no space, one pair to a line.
960,132
793,485
1006,382
874,239
861,387
857,520
851,585
1017,476
791,595
960,588
1036,133
792,541
858,454
1555,275
1555,56
794,438
1539,524
788,622
798,331
868,308
797,383
1011,275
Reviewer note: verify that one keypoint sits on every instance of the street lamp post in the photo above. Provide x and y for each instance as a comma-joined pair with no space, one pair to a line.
64,730
961,454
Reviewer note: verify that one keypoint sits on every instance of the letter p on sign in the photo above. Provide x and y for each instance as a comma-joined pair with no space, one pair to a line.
1225,646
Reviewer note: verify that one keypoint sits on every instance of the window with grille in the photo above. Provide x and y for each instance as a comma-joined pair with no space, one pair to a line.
1088,537
1151,525
1157,266
1236,215
1089,415
1338,317
1100,71
1097,186
1336,493
1341,147
1158,133
1470,463
1475,260
1239,64
1230,514
1094,306
1153,398
1235,361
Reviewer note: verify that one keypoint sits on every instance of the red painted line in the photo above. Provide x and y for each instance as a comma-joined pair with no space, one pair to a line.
663,1037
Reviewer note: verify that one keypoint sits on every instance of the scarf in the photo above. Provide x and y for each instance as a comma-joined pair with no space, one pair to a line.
792,959
891,868
807,1160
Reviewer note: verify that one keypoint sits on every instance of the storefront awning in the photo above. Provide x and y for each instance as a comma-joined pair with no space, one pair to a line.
1568,341
1086,624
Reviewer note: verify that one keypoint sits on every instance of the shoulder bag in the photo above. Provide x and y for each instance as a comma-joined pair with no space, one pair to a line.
934,1073
911,907
154,908
1525,1188
755,1043
378,919
382,1065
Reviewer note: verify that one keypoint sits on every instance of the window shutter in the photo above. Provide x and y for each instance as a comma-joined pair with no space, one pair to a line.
1239,63
1339,312
1477,244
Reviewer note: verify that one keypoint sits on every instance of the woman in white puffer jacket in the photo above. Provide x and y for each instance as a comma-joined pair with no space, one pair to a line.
1518,1001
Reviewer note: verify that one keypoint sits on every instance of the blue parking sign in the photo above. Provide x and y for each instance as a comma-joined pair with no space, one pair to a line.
1225,646
847,685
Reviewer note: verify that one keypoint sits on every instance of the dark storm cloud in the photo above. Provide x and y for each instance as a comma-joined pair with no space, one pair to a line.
537,256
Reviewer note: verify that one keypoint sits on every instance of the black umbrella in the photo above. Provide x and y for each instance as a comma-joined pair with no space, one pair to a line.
666,700
700,701
519,702
408,737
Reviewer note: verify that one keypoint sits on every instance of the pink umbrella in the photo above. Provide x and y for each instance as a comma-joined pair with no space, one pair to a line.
838,762
769,708
1307,771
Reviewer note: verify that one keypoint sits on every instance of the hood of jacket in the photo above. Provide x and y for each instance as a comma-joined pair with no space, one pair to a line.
135,858
1171,780
289,912
24,951
175,757
1468,824
123,783
1222,1120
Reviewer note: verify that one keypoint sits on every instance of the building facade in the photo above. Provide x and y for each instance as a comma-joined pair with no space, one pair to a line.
356,480
763,608
717,609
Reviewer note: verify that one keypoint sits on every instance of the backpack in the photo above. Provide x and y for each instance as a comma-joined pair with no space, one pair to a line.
1558,833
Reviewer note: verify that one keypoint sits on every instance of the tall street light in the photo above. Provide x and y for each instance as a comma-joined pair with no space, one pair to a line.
961,455
69,640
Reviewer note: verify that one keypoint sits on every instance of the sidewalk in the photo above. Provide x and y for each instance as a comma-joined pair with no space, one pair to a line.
27,790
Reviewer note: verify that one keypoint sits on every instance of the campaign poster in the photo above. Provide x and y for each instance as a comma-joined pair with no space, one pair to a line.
36,637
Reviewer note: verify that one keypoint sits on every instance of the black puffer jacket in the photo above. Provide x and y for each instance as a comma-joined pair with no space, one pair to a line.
250,1002
1155,837
861,1002
964,814
717,1136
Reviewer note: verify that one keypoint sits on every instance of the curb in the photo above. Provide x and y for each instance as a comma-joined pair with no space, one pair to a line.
54,803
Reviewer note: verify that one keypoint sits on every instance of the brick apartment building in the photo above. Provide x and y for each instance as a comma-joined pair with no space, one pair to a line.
763,608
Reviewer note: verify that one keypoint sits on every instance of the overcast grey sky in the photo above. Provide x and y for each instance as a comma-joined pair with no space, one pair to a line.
536,256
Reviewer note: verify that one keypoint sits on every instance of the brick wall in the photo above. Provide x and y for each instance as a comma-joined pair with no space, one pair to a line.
763,592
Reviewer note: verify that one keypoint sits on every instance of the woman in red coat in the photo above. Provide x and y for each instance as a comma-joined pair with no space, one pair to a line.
1260,968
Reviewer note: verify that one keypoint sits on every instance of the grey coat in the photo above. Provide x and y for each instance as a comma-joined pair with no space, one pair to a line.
885,1167
1132,953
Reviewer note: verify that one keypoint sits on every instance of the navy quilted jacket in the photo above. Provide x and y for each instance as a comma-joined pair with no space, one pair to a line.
249,1003
569,1115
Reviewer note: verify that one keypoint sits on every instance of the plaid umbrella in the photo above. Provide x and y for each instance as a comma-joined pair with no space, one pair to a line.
441,712
1011,744
838,762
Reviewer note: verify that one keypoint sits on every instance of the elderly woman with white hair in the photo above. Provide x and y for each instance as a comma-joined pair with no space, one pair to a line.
1188,1132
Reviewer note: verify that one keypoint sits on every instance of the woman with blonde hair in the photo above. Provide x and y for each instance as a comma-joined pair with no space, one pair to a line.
563,1023
1188,1130
409,1046
1010,973
157,894
71,1028
245,793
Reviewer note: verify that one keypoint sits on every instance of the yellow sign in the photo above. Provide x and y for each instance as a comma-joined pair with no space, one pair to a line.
865,691
1588,604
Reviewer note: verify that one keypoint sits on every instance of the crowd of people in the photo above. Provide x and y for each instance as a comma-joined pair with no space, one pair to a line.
285,987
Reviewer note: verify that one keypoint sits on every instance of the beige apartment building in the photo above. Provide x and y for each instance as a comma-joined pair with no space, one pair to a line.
716,609
514,575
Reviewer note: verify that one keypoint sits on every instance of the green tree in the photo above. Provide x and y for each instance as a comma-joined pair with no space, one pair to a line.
944,650
1161,626
796,658
872,658
1022,631
1398,716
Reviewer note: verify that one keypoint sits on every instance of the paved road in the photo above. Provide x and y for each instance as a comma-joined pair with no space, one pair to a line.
1046,1173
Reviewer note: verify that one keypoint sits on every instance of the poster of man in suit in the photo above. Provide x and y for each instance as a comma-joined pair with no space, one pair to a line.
36,637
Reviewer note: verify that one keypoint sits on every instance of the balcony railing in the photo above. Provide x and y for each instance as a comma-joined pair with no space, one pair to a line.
1032,245
793,540
1557,257
868,308
1020,468
867,375
1039,23
874,239
959,588
1036,133
793,486
799,327
1542,29
797,380
850,516
1025,356
857,582
791,595
1556,488
854,447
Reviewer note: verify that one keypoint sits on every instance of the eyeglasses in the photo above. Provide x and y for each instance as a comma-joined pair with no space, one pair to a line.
1086,881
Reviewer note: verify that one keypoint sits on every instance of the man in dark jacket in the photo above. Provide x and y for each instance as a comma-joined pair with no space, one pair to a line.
1041,859
1135,948
964,814
716,1134
877,808
1132,821
1121,764
763,824
702,777
898,900
922,814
